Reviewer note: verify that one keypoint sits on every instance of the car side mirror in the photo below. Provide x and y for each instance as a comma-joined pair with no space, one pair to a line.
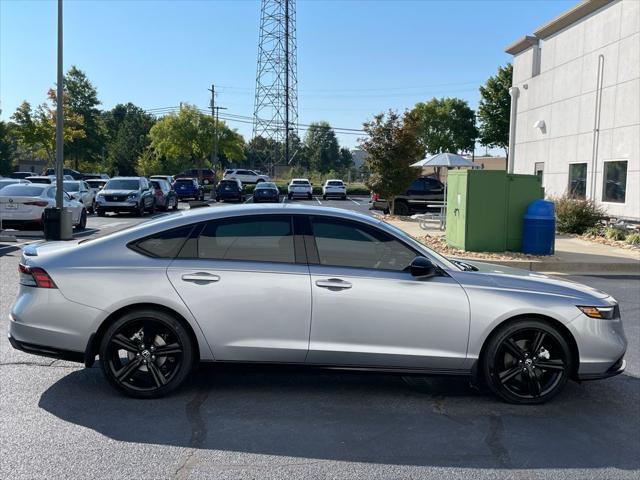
422,267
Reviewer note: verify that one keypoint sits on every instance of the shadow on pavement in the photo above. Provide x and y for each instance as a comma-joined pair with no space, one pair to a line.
358,417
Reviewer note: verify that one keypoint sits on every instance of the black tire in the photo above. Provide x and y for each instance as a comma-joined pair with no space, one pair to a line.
527,362
140,210
100,212
309,196
289,196
175,203
92,209
324,197
83,220
401,208
131,363
344,197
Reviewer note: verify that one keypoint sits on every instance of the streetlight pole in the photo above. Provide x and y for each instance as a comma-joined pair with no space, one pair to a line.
60,120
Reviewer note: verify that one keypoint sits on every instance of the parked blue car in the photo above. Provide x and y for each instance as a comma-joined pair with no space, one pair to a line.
189,188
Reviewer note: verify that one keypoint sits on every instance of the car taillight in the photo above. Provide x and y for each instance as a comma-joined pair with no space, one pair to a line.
35,277
39,203
375,197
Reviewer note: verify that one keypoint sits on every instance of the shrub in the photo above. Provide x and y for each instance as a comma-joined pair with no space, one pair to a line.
633,238
613,233
597,231
576,216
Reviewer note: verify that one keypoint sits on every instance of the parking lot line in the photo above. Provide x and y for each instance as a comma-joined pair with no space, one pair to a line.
248,199
318,200
357,203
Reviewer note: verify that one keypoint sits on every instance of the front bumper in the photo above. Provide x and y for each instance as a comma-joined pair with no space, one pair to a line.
616,369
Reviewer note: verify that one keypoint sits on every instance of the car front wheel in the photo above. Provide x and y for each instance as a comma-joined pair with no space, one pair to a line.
82,223
527,362
146,353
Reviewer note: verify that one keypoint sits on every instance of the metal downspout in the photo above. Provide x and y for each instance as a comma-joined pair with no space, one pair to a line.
596,127
514,92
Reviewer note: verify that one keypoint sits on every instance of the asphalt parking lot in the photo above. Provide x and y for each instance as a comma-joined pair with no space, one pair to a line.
59,420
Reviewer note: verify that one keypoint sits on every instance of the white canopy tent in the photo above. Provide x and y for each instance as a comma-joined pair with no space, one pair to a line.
446,160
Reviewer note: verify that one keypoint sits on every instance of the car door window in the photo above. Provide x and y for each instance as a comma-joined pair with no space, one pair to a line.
268,239
417,186
344,243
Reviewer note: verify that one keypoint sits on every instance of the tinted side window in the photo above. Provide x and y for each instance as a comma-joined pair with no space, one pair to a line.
416,186
164,244
267,239
350,244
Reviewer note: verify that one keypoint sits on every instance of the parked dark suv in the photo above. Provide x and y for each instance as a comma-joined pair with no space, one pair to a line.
67,171
422,192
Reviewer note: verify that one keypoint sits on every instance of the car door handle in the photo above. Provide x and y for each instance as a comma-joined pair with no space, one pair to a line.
333,283
200,278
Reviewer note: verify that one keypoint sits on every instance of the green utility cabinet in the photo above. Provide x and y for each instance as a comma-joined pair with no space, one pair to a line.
485,209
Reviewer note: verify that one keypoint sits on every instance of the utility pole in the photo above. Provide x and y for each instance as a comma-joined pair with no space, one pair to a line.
212,104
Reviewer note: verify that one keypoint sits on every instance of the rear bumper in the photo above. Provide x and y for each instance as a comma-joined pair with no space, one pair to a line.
335,194
47,351
299,194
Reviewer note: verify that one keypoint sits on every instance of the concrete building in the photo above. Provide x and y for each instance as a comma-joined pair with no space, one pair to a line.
576,105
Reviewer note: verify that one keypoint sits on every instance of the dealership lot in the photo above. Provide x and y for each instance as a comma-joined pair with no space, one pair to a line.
241,422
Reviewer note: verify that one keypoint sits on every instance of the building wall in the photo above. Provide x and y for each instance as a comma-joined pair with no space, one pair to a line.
564,95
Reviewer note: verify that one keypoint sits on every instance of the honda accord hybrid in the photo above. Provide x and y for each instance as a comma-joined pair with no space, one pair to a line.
333,288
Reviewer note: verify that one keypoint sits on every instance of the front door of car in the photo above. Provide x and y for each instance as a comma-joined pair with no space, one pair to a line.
369,311
246,281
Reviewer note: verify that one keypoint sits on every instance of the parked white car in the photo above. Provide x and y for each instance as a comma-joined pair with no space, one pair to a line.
11,181
245,176
299,187
23,205
334,188
96,184
80,190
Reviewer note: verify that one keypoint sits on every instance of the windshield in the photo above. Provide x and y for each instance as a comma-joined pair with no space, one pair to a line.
72,186
122,185
409,239
22,190
96,183
266,185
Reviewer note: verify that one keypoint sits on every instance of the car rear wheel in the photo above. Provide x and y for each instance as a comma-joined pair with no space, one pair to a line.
527,362
401,208
146,353
175,203
100,212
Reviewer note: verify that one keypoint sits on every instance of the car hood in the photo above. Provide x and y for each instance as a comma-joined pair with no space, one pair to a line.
120,192
518,279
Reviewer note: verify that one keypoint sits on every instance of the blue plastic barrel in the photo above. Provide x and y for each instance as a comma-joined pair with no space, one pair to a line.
539,231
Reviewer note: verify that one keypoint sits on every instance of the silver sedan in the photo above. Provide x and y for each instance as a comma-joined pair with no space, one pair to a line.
305,285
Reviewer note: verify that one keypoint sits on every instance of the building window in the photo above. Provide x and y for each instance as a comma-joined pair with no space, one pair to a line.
538,170
578,180
614,188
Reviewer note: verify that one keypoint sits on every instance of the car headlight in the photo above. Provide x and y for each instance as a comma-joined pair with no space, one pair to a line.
133,196
605,313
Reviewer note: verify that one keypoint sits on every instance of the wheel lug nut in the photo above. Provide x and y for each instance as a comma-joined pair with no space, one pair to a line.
153,357
138,354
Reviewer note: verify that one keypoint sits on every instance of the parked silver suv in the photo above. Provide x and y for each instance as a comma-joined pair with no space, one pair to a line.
126,194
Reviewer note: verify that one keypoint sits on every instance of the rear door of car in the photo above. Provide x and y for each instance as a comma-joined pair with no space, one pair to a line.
368,310
246,281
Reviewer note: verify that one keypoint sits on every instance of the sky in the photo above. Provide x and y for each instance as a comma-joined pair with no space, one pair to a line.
355,58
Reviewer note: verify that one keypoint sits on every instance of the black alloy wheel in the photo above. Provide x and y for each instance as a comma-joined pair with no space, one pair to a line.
82,224
146,354
527,362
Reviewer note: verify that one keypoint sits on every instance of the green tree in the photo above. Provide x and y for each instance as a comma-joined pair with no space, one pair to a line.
444,125
7,148
127,128
186,139
83,102
346,160
322,147
392,146
494,109
36,130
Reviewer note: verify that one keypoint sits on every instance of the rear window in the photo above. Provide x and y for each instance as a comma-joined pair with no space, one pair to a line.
40,180
164,244
228,183
123,185
71,186
21,190
96,183
300,182
184,181
335,183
